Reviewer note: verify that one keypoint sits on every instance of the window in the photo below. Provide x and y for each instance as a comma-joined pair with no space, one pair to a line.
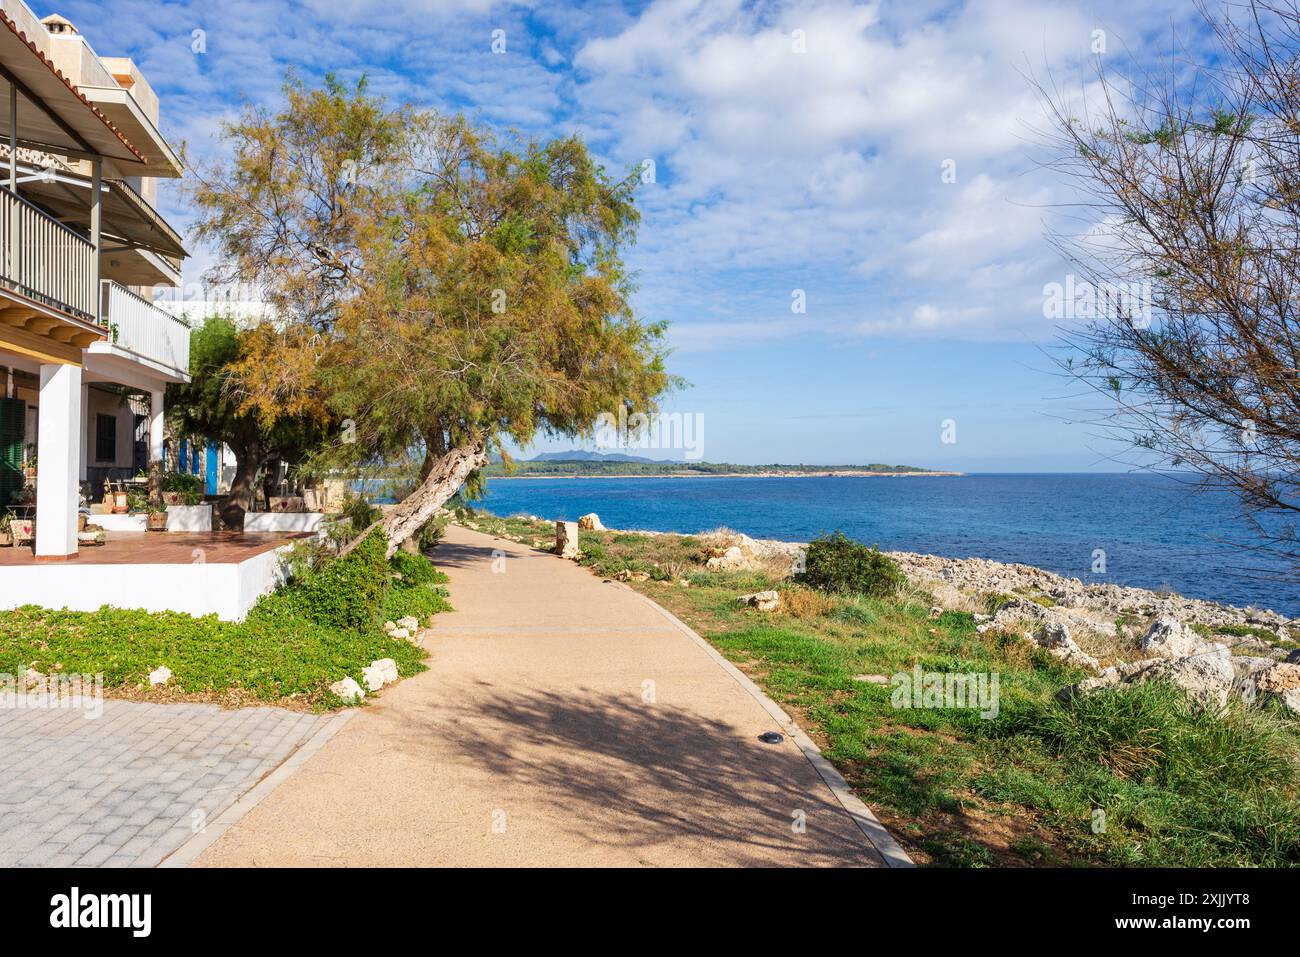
105,438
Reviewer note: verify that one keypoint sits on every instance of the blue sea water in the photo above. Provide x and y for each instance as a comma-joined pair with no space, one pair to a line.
1157,531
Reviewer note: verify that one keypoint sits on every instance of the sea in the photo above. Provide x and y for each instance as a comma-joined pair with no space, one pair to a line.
1147,530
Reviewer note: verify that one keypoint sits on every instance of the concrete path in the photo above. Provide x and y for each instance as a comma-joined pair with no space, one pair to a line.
134,783
563,721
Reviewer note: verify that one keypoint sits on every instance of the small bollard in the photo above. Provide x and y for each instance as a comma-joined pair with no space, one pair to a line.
566,539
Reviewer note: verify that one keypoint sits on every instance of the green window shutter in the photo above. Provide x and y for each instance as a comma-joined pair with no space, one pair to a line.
13,416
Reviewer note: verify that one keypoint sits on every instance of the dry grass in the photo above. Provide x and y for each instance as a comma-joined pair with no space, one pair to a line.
800,602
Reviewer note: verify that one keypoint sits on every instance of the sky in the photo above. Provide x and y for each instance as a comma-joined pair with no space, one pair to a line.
844,205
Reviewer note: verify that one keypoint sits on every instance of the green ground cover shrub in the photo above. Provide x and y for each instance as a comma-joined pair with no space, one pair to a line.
837,563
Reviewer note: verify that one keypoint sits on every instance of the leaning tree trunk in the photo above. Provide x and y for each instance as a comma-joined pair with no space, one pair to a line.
444,479
248,462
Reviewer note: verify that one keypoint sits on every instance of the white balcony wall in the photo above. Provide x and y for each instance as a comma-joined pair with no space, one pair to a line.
139,326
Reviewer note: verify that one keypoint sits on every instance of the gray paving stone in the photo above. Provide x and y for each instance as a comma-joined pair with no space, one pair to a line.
120,790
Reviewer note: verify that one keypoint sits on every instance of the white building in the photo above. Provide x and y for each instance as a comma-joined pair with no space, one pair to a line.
82,250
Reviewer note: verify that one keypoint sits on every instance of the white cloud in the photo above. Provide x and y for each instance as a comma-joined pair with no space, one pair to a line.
776,169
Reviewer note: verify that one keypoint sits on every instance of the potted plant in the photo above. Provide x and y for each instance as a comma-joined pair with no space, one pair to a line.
121,500
186,510
6,533
137,500
178,488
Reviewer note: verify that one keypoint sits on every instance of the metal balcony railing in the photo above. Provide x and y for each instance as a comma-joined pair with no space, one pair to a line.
44,260
138,325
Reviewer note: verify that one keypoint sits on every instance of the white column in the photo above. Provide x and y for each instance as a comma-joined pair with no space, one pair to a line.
84,472
58,454
156,425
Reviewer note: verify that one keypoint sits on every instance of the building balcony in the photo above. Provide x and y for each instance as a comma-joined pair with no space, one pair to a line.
48,307
47,284
141,334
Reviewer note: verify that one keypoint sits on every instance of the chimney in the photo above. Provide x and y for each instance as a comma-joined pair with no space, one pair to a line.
59,26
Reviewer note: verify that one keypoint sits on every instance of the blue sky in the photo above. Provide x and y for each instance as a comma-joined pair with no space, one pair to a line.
796,146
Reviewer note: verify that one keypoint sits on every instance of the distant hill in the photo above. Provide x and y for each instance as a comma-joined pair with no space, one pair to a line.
581,455
579,462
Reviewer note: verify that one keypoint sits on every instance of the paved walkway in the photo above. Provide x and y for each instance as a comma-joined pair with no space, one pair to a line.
563,721
129,787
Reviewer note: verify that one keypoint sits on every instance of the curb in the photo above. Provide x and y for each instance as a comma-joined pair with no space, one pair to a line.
875,832
188,852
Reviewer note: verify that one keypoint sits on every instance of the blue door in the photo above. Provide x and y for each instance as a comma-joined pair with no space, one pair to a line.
211,456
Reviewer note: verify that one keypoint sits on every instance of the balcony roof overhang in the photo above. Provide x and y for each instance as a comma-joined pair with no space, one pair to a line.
129,221
108,362
52,113
122,110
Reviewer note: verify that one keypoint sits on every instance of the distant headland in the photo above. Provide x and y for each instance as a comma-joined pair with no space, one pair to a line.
584,464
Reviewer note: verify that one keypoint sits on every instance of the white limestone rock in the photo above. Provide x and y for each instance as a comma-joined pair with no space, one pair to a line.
348,690
381,672
1206,678
762,600
1170,638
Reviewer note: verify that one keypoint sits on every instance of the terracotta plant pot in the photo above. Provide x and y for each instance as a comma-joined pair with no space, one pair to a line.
157,522
120,506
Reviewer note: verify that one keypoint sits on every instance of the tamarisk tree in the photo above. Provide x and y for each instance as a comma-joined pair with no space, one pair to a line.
1190,186
437,290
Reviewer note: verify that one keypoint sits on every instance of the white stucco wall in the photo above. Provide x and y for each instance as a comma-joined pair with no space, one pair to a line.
227,590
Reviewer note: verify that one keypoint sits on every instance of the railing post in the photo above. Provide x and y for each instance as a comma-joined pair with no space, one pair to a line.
96,187
13,138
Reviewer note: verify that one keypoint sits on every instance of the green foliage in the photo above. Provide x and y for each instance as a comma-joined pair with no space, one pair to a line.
137,499
430,533
839,564
415,589
189,487
210,405
272,656
415,569
344,593
1152,732
418,601
437,221
359,512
